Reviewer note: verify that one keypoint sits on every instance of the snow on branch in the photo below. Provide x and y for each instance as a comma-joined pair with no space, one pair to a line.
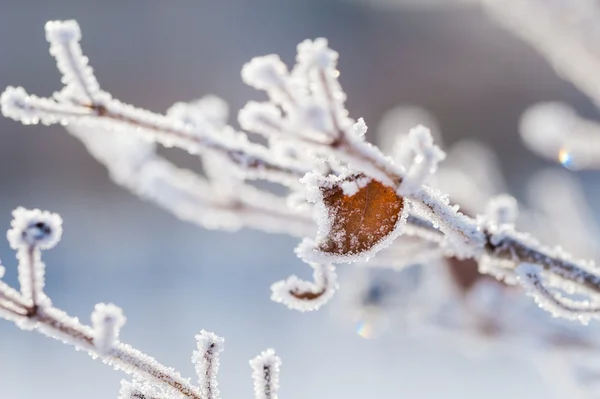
34,230
357,199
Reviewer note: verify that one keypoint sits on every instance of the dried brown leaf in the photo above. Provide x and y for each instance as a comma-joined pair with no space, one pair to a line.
361,221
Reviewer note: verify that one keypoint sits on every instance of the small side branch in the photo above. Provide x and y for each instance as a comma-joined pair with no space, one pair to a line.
306,296
530,277
266,374
206,359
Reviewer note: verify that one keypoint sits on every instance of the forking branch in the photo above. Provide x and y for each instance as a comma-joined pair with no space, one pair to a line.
362,199
30,309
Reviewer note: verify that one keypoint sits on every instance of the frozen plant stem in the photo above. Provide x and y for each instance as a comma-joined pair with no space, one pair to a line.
310,135
35,230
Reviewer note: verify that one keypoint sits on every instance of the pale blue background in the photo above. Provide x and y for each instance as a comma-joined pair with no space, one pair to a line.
172,278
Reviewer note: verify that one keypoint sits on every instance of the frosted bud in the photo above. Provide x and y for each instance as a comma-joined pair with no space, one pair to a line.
264,72
107,320
424,146
425,158
266,374
502,209
15,105
316,53
62,31
263,118
38,228
360,128
206,359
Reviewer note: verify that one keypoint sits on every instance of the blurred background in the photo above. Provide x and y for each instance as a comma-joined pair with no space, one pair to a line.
173,279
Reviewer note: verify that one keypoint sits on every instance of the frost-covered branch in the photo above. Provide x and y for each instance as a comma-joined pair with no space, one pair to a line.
206,359
530,276
266,375
122,136
304,295
34,231
360,199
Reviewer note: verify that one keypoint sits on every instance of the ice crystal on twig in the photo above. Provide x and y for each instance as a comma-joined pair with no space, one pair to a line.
266,374
206,359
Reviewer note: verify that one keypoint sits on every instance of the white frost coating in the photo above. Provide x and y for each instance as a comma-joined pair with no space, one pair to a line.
322,105
214,109
316,54
41,229
351,187
138,390
31,310
306,296
107,320
360,127
501,270
29,109
78,76
265,373
530,276
206,360
133,163
100,111
211,112
555,131
32,231
265,73
502,209
424,161
461,232
261,118
207,112
311,121
313,87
